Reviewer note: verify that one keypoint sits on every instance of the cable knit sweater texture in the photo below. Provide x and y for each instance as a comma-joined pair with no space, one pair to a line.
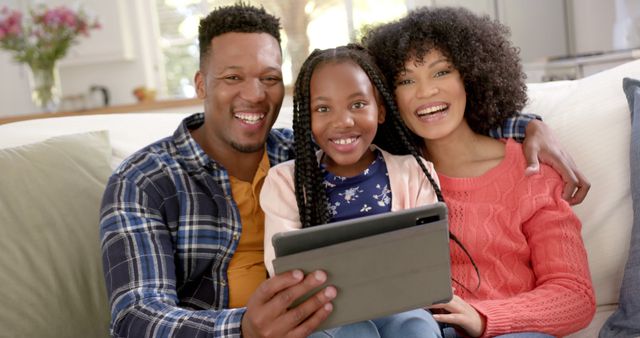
526,242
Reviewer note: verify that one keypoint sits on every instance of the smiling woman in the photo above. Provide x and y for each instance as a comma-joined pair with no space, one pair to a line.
532,266
432,76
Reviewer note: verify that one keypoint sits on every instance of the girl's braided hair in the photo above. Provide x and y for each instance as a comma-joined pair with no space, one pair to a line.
311,196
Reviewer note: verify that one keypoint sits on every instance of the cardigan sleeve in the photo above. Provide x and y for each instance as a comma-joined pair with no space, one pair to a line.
563,299
410,187
278,201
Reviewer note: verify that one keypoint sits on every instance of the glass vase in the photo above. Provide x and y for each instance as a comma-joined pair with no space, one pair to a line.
45,86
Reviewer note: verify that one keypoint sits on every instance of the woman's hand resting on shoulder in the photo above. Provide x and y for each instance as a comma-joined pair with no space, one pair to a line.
460,314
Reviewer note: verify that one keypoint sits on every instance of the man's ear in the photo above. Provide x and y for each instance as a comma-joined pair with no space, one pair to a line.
201,91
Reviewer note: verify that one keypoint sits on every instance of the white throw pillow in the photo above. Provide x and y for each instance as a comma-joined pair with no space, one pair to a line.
590,116
128,132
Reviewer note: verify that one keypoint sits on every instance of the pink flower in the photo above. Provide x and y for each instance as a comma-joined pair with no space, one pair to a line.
50,18
82,28
70,20
12,23
46,34
15,18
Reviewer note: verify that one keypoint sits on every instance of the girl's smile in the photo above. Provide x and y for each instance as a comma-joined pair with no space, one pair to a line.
344,116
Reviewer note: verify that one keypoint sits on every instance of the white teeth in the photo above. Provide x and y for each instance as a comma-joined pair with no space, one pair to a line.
432,109
345,140
249,118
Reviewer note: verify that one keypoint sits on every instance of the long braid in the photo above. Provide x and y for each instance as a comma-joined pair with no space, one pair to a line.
310,194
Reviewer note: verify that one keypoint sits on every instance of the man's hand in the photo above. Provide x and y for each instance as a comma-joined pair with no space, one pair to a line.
461,314
540,143
267,310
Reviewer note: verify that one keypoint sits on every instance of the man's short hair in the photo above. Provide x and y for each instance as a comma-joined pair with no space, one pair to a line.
238,18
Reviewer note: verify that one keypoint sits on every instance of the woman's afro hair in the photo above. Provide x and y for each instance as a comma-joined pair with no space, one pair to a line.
476,46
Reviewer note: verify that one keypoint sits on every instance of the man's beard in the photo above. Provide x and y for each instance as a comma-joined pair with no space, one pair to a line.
248,148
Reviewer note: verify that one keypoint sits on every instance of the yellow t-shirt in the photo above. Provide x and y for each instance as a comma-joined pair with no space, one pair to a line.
246,270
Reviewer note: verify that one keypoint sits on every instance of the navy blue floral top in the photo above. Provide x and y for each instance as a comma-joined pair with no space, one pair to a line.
365,194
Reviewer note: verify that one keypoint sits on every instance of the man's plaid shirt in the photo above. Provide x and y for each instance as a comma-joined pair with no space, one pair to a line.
169,228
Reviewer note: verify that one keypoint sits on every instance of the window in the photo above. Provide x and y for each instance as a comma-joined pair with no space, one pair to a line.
306,25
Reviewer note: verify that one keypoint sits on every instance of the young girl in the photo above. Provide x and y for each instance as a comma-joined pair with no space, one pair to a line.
340,99
455,76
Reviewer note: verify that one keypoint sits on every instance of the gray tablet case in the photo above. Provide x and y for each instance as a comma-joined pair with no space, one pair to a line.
381,264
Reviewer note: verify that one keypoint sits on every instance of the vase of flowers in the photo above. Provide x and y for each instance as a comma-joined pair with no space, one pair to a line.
44,81
39,41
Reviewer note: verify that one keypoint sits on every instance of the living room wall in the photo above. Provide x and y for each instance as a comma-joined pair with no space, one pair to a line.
119,56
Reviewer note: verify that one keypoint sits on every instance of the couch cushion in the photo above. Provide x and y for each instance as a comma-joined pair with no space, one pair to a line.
128,132
591,119
50,268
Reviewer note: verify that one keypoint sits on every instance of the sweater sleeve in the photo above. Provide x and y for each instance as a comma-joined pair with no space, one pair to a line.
278,201
563,299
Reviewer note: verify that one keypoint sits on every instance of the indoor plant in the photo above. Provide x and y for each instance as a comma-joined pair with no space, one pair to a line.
39,41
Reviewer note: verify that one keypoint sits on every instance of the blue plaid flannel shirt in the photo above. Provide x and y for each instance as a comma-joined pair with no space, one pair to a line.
514,127
169,228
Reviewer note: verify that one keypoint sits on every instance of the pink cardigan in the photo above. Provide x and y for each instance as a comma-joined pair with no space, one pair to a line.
409,188
527,244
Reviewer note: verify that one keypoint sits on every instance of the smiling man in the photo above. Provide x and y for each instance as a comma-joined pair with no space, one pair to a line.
182,231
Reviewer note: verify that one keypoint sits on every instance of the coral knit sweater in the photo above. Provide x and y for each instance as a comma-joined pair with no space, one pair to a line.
527,244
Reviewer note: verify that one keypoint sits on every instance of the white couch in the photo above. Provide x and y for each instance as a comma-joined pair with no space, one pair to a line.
590,117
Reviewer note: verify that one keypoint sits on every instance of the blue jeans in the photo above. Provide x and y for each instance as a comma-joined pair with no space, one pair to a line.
450,332
410,324
525,335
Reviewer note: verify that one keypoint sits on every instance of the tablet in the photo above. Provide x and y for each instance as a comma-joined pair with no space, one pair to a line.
380,264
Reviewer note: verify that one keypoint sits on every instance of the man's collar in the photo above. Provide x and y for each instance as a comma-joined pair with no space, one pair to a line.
191,153
279,145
